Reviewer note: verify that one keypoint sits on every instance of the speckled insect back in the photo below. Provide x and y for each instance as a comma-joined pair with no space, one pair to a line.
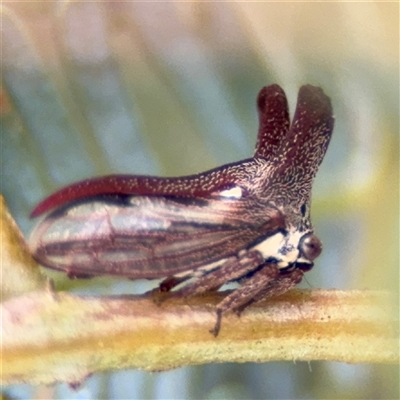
247,221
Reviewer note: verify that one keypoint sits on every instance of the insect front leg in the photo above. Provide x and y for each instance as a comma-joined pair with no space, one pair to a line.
280,285
244,295
232,269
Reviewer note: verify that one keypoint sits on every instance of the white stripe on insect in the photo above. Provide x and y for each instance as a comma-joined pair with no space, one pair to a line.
280,247
233,193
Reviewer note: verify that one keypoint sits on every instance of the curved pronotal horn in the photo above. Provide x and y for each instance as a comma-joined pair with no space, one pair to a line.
305,144
274,120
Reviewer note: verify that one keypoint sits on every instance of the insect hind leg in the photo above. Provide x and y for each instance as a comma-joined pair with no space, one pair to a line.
168,284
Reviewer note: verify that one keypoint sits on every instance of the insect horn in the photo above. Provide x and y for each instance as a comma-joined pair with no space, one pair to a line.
300,154
273,113
311,129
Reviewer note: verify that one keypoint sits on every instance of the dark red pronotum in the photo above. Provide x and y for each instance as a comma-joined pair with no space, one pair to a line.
247,221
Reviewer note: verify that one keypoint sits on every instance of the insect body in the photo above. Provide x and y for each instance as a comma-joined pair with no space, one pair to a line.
247,221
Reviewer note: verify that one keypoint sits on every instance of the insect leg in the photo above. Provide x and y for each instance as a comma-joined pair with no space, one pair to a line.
279,286
243,295
168,284
233,269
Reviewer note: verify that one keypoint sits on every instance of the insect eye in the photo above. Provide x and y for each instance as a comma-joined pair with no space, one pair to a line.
310,246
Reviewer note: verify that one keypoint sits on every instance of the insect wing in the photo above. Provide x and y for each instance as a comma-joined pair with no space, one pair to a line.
149,236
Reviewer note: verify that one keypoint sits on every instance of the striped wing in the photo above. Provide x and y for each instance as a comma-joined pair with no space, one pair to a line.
149,237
